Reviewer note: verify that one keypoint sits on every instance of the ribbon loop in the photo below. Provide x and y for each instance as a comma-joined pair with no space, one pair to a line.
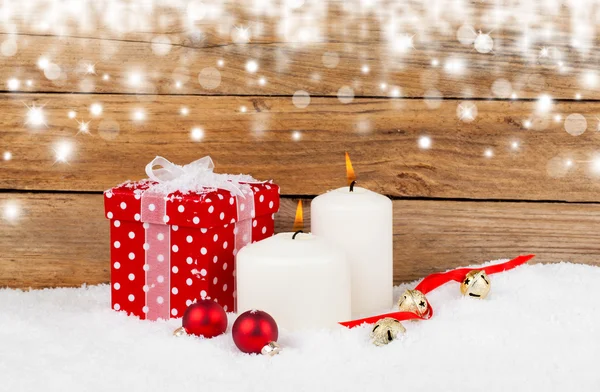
169,171
198,172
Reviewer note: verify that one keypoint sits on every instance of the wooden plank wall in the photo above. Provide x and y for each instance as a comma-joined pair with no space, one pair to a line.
486,154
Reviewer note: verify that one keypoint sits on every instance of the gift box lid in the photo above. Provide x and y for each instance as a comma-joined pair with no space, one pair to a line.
190,195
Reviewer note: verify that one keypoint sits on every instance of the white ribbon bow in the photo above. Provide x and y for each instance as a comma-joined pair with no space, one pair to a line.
199,172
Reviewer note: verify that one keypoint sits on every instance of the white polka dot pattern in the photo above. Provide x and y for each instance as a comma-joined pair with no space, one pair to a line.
158,268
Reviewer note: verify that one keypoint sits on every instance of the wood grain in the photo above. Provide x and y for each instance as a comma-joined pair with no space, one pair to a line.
62,239
55,241
302,150
289,47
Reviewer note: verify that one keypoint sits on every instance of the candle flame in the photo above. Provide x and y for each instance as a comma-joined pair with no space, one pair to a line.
299,221
350,175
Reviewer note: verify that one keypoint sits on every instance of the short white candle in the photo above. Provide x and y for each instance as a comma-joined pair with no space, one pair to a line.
302,282
361,223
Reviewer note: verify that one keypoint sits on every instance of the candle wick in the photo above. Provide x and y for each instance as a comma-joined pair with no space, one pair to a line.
352,186
296,233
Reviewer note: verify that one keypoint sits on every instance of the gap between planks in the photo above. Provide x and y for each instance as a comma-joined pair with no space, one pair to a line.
383,97
310,197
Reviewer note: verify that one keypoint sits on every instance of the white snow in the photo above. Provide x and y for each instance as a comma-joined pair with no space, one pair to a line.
537,331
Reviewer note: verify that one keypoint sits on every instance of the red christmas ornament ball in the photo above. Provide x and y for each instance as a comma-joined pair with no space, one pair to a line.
205,318
253,330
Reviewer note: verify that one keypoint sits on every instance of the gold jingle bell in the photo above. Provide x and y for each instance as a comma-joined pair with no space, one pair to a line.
386,330
414,301
476,284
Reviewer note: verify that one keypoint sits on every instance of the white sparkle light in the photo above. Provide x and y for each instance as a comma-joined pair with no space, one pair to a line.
557,117
577,96
590,79
454,66
11,211
383,86
466,111
63,151
595,165
84,127
435,62
296,135
184,111
43,62
105,77
365,69
220,62
544,103
514,145
483,43
424,142
568,163
178,84
134,79
29,83
241,35
527,123
262,81
544,52
13,84
71,114
7,155
139,115
90,69
488,153
403,43
252,66
96,109
197,134
395,92
35,116
243,109
513,96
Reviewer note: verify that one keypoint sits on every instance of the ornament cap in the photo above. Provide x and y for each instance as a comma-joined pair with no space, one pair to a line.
271,349
179,332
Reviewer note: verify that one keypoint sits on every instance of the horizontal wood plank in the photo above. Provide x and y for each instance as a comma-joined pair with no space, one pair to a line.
409,46
508,151
53,240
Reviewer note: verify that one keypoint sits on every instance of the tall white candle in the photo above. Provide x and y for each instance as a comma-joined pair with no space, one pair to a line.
302,282
360,223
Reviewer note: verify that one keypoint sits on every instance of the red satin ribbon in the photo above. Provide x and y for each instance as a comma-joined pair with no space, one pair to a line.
434,281
400,316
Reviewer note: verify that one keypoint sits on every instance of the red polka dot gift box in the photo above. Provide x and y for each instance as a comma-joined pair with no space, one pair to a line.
174,236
